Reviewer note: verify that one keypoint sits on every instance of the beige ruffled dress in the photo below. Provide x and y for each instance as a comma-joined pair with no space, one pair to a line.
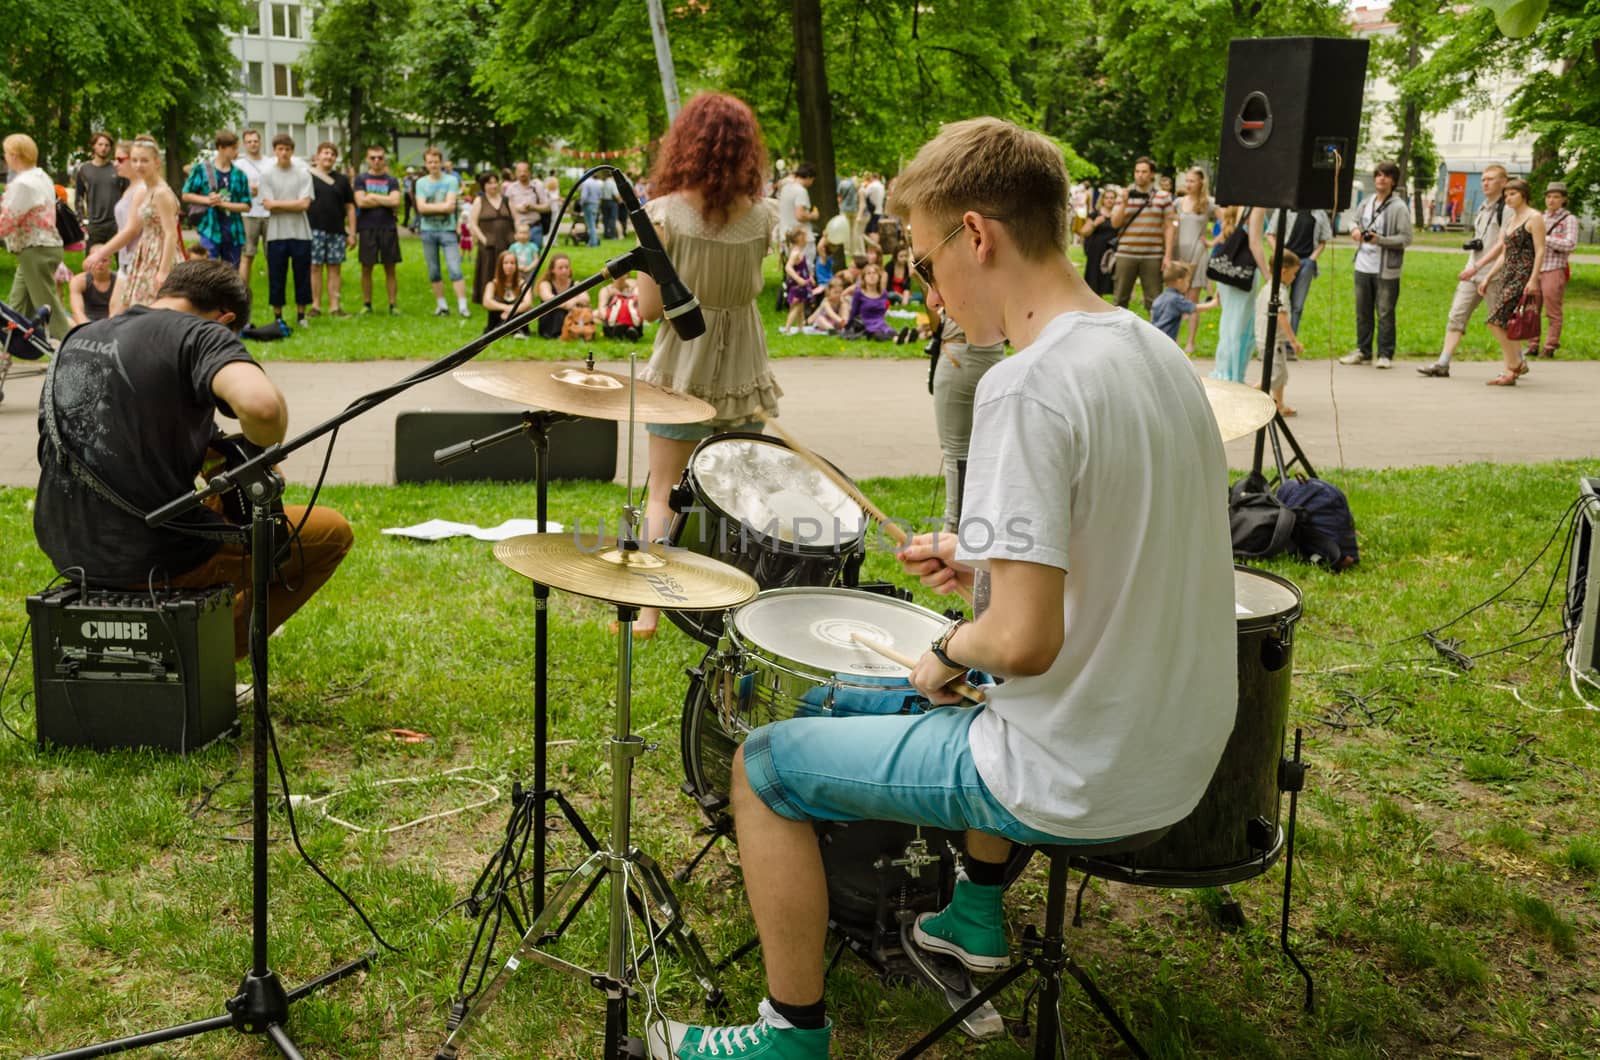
727,366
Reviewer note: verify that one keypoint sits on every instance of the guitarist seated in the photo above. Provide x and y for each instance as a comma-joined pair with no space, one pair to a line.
124,427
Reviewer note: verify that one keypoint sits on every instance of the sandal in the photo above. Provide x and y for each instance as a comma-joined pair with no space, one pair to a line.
1286,411
1522,366
639,633
1503,379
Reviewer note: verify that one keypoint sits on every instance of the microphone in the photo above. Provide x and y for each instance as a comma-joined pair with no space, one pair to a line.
678,303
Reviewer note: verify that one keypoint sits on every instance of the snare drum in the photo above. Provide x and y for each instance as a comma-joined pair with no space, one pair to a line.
788,653
1233,832
752,502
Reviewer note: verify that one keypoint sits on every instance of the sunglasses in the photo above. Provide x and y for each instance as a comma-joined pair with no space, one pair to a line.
923,266
122,158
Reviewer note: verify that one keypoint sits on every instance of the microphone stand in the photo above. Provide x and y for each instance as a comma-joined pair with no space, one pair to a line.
261,1004
1276,426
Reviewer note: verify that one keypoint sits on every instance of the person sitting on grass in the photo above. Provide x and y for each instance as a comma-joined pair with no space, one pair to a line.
796,281
1286,339
899,276
829,318
89,292
500,294
868,306
1172,305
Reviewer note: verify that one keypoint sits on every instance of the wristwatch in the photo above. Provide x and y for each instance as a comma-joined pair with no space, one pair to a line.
942,640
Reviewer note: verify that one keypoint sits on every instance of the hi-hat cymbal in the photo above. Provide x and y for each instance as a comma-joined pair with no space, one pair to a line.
653,576
1239,409
582,391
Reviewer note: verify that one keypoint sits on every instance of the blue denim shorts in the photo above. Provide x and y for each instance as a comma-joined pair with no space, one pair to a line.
450,243
912,768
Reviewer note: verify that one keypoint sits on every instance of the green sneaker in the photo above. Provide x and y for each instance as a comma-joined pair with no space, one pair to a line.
771,1036
971,928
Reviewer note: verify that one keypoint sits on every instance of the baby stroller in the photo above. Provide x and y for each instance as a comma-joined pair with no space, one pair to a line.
22,339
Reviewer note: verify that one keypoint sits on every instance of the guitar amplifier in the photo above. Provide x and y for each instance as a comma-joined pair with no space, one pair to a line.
127,668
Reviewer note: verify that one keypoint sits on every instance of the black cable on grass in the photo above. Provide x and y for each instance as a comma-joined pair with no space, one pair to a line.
1449,648
5,681
294,832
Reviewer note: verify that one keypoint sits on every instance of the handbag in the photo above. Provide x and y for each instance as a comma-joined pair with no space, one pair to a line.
1524,323
195,213
68,227
1231,261
1108,257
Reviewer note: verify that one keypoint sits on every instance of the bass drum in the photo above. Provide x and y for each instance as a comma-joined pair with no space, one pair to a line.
789,651
754,503
1233,832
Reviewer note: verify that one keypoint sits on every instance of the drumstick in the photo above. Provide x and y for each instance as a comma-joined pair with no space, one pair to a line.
959,687
890,527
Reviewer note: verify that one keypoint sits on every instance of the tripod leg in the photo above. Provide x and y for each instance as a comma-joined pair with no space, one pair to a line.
722,827
139,1041
280,1038
954,1020
653,882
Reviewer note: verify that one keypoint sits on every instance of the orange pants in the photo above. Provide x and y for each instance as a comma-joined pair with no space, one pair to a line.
323,543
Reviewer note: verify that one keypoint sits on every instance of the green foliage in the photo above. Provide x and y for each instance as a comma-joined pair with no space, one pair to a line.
1560,99
1516,18
160,66
353,68
442,46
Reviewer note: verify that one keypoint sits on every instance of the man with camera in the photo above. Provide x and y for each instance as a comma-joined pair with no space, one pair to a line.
1485,234
1146,232
1382,232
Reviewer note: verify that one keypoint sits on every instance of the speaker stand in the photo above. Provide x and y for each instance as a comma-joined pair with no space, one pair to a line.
1277,429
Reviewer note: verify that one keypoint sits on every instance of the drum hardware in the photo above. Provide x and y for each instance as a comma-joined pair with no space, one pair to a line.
890,527
565,392
1239,409
631,575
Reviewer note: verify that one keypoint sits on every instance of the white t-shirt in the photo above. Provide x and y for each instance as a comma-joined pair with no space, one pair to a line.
873,193
791,195
1094,450
252,170
291,183
1369,257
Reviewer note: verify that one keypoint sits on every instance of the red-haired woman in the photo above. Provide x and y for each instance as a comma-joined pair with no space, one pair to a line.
705,200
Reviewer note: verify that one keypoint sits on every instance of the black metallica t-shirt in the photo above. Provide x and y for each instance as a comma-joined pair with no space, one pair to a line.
133,404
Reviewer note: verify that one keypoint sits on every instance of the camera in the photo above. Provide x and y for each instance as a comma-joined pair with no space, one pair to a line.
1472,244
1369,237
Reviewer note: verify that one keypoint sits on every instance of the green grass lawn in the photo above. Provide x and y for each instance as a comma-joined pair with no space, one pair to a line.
1327,328
1446,880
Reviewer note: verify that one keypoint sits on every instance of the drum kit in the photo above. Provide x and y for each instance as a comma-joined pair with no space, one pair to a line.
761,565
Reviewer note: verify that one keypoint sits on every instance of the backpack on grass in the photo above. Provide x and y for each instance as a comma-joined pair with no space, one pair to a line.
1261,524
1324,528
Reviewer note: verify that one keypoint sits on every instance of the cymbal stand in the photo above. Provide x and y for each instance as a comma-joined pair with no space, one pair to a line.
618,861
1276,428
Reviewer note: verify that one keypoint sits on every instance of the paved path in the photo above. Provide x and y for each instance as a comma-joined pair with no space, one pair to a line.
874,417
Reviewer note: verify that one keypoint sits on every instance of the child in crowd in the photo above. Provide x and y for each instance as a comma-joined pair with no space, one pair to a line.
1286,339
825,254
868,305
796,281
899,275
829,319
619,310
526,250
1172,305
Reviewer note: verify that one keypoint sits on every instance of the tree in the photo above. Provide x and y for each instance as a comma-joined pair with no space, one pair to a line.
1172,55
160,66
354,69
1560,102
441,48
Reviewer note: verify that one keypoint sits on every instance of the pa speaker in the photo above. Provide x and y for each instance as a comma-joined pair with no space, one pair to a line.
1291,114
579,449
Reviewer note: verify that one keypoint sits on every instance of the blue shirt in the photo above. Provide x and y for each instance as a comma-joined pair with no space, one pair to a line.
591,192
430,190
1168,311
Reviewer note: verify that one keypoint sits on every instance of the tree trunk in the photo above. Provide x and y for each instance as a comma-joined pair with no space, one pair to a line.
1411,124
174,150
357,147
816,113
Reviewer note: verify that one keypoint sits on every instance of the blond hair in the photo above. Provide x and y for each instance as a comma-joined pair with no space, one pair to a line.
22,146
998,169
1178,270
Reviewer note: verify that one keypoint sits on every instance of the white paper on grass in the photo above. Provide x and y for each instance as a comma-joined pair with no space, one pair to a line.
439,529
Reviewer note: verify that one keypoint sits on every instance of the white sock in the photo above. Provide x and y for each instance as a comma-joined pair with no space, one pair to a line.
1444,358
442,304
461,303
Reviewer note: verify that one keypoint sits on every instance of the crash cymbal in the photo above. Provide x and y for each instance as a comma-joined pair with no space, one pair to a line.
1239,409
653,576
582,391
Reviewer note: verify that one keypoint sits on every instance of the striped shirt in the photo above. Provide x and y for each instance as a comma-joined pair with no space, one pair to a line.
1145,236
1560,236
